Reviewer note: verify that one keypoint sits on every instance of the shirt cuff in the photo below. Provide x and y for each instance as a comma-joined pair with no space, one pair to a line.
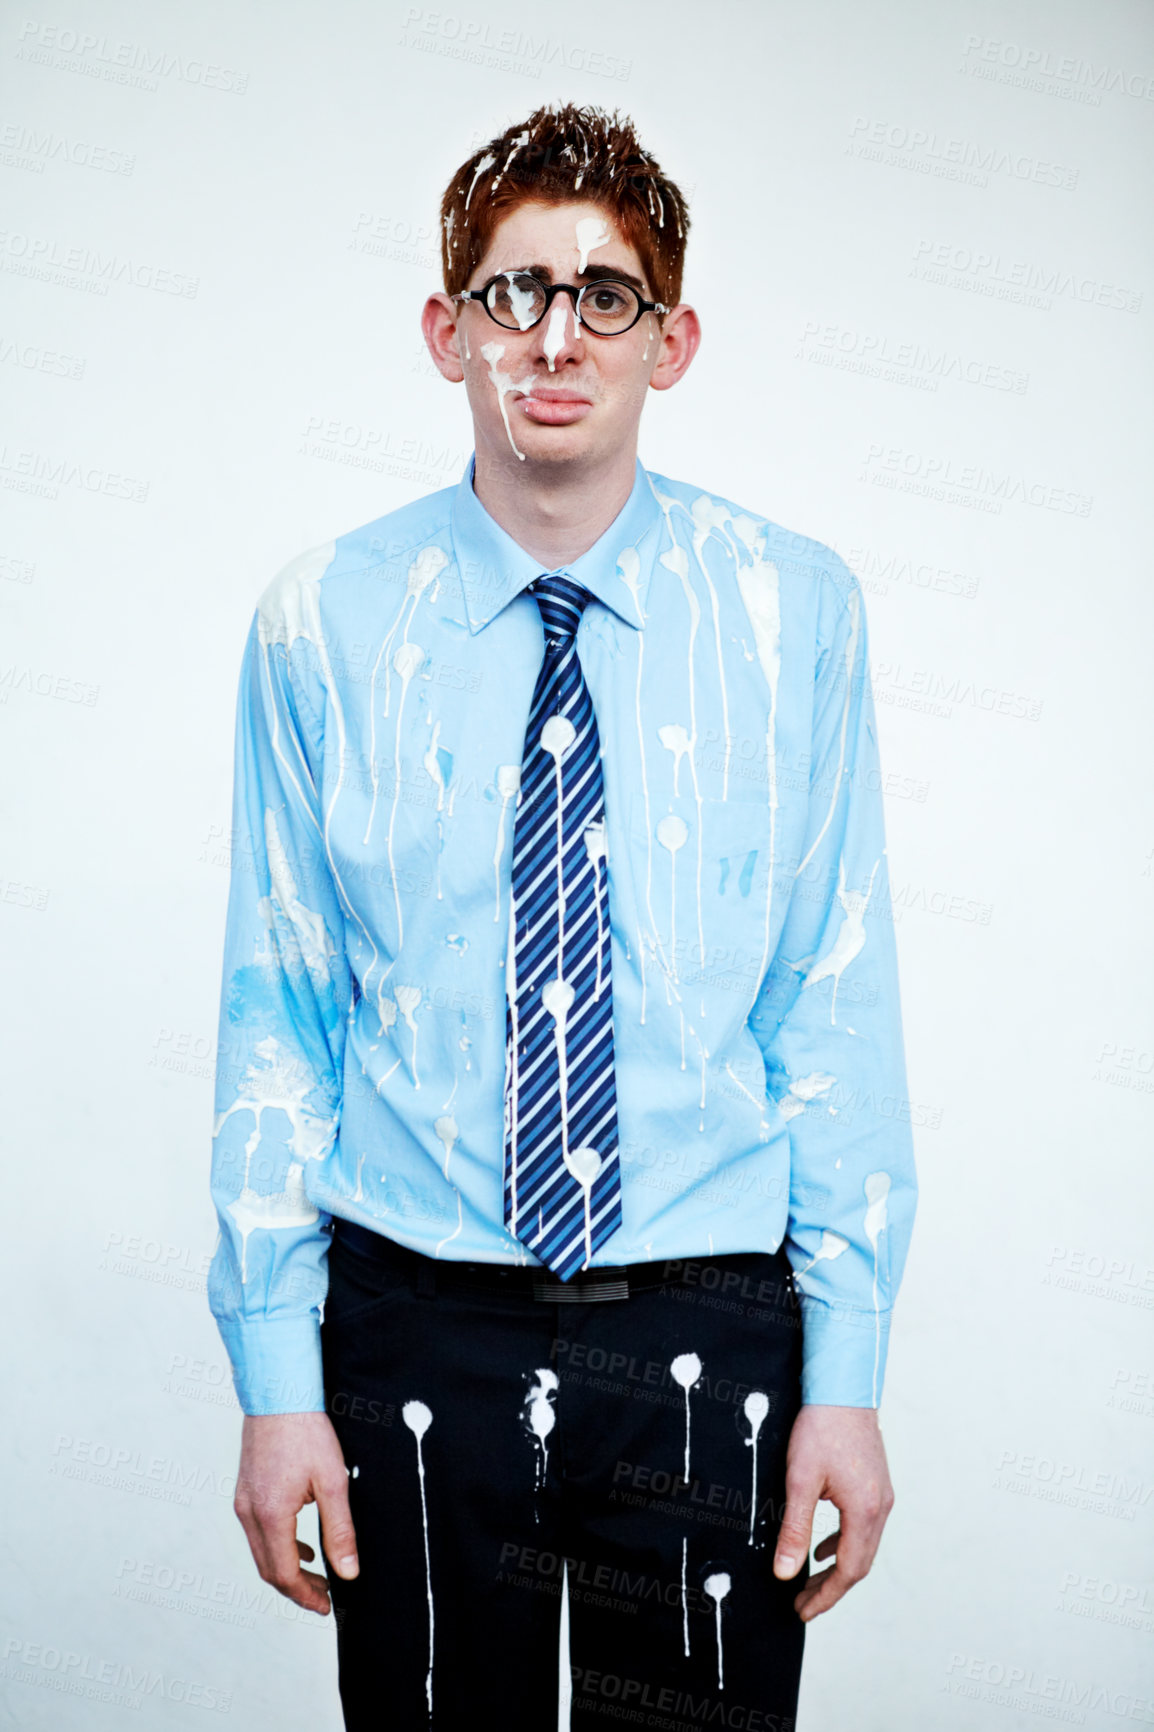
843,1354
276,1363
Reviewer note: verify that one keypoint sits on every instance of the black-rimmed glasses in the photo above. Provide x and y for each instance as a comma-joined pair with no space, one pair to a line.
518,301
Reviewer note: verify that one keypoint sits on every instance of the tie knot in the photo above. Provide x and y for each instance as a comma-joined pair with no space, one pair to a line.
562,602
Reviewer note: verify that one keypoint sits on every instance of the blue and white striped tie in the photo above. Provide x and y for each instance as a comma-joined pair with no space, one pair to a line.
562,1175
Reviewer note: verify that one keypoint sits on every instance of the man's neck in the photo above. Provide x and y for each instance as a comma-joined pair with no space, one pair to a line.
554,511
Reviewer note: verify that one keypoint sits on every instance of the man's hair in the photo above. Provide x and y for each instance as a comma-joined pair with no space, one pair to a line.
557,156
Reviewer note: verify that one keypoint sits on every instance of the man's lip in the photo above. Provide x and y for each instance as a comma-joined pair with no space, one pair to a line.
547,395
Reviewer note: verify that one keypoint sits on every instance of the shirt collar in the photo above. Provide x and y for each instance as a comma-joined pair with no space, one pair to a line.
494,568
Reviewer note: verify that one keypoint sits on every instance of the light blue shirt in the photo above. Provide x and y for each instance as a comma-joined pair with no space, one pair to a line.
761,1092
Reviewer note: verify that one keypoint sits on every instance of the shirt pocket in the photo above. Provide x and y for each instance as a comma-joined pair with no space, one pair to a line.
701,876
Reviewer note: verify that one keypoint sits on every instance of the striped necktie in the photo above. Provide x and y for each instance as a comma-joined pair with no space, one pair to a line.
562,1176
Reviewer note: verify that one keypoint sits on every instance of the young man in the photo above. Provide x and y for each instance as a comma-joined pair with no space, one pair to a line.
561,1210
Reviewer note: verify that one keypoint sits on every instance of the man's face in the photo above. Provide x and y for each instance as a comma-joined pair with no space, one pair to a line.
558,393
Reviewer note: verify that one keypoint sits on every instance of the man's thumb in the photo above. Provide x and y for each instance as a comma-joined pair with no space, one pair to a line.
794,1537
337,1533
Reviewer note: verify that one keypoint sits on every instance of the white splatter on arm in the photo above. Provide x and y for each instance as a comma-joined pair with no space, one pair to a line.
829,1025
285,1000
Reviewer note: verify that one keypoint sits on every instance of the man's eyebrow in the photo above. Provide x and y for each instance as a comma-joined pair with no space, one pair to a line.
592,274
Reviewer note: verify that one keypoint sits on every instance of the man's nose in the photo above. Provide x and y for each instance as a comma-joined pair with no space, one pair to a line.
558,337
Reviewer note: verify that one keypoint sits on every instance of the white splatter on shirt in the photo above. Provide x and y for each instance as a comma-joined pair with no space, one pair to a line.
384,691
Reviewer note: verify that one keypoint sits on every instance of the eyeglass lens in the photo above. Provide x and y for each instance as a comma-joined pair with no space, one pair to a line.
518,300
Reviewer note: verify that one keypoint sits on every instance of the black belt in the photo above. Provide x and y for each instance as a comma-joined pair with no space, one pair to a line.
615,1281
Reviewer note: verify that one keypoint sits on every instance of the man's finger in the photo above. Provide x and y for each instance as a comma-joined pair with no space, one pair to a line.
827,1548
856,1544
338,1536
796,1528
282,1563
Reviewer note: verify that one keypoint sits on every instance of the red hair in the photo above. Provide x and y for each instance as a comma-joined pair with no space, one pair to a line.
557,156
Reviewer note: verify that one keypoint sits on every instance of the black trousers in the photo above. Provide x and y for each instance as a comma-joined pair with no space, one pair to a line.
498,1443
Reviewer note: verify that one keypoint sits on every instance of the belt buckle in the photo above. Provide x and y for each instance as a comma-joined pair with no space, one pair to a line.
594,1285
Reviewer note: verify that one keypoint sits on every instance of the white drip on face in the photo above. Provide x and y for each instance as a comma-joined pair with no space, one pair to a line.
555,330
503,384
717,1586
418,1418
520,303
591,234
686,1369
755,1408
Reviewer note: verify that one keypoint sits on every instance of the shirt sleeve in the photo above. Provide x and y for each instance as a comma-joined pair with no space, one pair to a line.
284,1005
829,1025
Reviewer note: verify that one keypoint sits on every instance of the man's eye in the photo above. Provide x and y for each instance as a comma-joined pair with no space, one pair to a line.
607,300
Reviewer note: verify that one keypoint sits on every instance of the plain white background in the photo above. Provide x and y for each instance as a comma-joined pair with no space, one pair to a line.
920,259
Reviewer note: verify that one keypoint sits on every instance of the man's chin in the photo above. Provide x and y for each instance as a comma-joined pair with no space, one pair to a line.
576,442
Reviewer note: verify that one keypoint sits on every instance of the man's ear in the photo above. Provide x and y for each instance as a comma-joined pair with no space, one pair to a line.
680,340
439,329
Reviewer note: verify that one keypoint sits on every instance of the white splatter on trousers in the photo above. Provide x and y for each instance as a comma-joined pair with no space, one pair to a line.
501,1444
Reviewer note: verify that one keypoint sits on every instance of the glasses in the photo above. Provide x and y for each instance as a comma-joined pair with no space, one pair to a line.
518,301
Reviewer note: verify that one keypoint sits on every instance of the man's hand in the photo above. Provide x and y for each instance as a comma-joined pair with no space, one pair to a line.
286,1461
835,1453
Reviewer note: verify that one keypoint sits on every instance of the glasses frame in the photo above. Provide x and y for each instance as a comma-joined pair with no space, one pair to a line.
552,290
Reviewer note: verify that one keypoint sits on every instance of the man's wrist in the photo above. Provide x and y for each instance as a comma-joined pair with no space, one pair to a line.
276,1364
843,1355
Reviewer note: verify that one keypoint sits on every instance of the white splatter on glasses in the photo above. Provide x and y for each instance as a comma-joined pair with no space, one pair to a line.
518,301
